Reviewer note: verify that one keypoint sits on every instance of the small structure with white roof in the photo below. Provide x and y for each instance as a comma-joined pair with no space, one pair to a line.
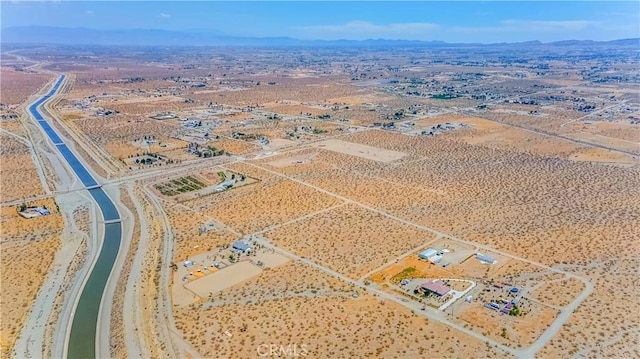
485,259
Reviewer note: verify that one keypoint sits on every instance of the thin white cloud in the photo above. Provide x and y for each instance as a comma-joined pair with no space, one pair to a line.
544,25
90,12
165,16
361,30
529,26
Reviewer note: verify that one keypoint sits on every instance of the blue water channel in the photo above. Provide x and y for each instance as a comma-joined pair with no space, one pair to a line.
82,338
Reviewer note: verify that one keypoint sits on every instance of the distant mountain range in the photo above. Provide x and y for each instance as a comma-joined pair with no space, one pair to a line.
142,37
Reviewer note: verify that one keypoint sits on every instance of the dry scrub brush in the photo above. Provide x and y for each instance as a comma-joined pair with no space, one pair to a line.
328,327
349,239
18,86
267,206
526,204
290,280
188,240
27,251
18,175
606,323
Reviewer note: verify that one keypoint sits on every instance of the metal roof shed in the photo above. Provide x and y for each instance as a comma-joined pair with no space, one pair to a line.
240,246
486,259
429,252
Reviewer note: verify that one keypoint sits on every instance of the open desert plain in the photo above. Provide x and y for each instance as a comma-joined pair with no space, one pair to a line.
398,201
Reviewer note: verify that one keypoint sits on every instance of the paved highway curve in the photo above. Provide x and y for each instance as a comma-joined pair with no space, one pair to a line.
82,337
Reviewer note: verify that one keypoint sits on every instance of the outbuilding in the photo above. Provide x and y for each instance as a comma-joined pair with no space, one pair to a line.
428,253
485,259
241,246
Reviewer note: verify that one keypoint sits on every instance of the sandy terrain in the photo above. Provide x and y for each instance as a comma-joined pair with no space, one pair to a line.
189,240
483,186
235,147
14,126
19,85
18,175
223,279
364,151
559,292
349,239
300,158
495,135
632,145
304,90
280,143
324,321
599,155
604,326
327,329
264,205
543,198
520,331
423,269
28,248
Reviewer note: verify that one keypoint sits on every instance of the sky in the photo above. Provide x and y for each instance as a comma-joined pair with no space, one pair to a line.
452,21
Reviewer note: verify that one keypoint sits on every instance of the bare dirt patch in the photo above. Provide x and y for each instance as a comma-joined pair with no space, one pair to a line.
296,159
223,279
360,150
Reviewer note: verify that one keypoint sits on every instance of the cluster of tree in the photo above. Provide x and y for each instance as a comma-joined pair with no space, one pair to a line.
209,151
144,161
526,102
212,152
134,80
587,108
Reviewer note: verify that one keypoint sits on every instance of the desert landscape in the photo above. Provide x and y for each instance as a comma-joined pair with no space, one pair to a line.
403,201
28,248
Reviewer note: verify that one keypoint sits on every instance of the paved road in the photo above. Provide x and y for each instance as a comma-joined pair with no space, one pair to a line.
594,113
550,134
82,337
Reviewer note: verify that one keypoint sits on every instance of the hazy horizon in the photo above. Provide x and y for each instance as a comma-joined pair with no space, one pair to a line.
458,22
